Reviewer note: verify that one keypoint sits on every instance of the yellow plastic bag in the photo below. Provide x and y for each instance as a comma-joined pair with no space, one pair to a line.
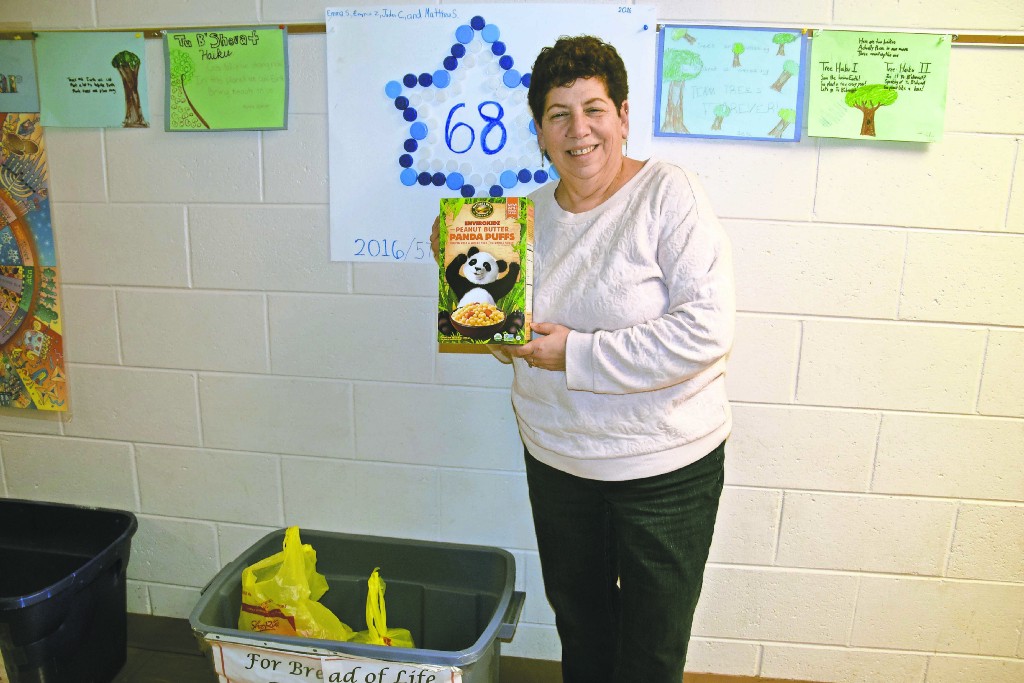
280,594
377,631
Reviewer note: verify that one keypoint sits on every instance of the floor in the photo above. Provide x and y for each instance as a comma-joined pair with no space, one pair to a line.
164,650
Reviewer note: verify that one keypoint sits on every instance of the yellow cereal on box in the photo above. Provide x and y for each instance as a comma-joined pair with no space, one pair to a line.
485,279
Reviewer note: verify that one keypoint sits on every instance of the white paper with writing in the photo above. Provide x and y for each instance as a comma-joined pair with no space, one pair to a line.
370,671
236,663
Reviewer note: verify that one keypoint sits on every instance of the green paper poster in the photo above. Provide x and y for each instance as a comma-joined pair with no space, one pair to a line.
92,80
227,79
882,86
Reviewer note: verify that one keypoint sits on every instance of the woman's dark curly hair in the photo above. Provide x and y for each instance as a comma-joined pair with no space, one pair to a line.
571,58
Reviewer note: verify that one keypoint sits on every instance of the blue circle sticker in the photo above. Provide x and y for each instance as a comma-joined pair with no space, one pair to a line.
463,34
490,33
418,130
442,79
455,181
393,89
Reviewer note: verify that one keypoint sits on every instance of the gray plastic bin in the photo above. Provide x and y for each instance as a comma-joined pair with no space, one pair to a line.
457,600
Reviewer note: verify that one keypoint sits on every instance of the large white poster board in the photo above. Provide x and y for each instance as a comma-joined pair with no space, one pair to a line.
427,102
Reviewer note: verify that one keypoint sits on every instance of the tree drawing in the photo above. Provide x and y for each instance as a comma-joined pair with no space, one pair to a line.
783,39
737,50
127,64
47,315
868,98
683,34
721,111
678,67
789,69
182,70
786,117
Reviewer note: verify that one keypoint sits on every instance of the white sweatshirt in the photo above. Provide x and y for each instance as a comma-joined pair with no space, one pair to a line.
645,282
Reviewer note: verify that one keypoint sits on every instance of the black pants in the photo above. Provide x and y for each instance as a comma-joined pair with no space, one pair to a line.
623,563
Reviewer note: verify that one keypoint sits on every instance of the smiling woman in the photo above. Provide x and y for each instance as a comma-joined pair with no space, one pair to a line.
620,399
582,118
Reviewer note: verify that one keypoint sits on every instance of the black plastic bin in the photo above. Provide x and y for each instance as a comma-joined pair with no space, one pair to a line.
458,601
63,615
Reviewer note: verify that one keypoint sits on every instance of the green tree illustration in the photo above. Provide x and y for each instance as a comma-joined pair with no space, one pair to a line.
737,50
46,315
786,117
182,70
868,98
678,67
127,65
782,40
721,111
789,69
683,34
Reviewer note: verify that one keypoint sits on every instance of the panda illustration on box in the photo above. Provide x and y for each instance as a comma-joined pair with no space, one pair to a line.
476,277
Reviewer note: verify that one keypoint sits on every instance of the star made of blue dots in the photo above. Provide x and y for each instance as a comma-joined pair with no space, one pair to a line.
402,91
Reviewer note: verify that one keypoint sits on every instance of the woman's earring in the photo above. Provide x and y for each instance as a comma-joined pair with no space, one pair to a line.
625,152
542,158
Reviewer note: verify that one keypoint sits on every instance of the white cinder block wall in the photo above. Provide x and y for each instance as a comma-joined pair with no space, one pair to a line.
226,379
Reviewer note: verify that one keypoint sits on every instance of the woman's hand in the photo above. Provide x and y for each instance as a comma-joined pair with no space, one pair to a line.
435,238
547,351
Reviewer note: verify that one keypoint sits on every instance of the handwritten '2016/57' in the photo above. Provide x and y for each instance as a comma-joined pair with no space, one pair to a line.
389,248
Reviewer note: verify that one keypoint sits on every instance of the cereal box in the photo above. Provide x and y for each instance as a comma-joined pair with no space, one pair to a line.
486,257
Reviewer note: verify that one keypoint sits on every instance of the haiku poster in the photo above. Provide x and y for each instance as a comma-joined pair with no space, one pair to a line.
32,371
726,82
233,79
426,102
18,90
93,80
881,86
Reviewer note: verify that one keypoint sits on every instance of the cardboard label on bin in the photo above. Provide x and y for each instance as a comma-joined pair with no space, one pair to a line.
236,663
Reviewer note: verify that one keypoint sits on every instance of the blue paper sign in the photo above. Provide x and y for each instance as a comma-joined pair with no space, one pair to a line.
725,82
18,90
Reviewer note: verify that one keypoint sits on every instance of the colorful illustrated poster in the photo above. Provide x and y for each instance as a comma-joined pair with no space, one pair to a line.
18,90
32,372
878,86
93,80
227,79
722,82
430,102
